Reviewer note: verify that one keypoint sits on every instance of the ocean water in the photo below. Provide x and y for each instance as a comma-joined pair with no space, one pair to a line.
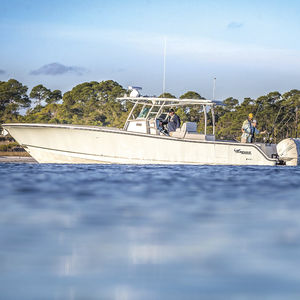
149,232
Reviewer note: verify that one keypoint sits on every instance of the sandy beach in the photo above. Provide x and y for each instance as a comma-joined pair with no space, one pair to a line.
17,159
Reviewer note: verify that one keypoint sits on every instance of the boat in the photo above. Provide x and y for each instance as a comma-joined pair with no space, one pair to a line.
142,140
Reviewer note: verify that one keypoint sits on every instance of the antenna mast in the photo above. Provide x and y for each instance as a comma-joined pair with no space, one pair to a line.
214,88
164,75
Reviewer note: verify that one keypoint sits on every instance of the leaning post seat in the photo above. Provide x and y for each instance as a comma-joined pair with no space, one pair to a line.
189,131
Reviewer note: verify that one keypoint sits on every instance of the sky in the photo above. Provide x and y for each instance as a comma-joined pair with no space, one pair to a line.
250,47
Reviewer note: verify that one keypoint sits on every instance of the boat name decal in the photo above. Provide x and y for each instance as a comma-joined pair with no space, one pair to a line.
242,151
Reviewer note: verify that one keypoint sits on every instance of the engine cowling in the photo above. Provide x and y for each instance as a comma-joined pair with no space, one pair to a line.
288,151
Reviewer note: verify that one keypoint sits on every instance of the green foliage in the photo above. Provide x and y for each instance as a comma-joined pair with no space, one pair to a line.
191,95
12,98
88,103
231,104
8,147
42,114
93,103
166,95
54,97
192,113
39,93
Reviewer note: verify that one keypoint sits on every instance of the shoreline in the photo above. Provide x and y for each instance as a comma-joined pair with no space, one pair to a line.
17,159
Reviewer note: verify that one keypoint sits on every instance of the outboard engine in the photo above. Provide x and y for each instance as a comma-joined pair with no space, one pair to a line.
288,150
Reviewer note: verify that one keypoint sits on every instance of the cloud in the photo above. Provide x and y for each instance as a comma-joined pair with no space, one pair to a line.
2,72
58,69
235,25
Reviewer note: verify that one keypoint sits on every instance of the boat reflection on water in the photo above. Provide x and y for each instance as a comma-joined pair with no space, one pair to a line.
155,232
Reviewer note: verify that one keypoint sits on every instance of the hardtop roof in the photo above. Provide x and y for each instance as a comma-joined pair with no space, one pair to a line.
156,101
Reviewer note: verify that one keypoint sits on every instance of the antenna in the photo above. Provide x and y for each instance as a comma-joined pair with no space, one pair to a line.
214,88
164,75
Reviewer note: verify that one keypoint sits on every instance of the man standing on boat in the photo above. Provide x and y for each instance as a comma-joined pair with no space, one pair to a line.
247,129
172,120
254,131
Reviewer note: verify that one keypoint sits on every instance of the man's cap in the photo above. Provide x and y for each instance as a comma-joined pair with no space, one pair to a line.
171,110
254,121
250,115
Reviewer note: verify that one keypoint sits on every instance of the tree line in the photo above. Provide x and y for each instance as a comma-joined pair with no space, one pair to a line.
94,103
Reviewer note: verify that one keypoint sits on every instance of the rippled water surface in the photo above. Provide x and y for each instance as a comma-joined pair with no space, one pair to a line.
149,232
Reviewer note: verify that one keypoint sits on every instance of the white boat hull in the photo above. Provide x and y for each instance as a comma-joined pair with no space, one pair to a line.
87,144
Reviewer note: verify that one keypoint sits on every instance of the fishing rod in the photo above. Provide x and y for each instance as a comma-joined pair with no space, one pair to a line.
273,126
258,108
274,123
287,121
284,123
259,105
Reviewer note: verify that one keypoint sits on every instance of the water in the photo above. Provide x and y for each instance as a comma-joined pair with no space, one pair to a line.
154,232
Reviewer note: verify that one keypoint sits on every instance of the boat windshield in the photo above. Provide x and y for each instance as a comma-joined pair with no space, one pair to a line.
143,113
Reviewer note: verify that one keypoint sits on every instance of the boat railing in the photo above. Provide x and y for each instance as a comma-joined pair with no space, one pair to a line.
157,105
